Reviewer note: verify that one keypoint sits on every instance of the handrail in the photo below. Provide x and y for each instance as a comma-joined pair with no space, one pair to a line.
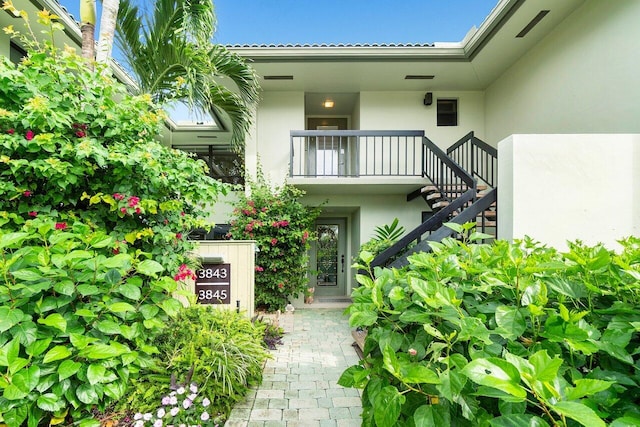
449,178
477,157
355,153
468,214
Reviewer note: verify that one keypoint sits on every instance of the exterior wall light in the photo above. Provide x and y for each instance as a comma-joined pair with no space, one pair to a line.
328,103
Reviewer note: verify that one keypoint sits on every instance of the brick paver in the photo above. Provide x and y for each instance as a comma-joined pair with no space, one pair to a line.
299,386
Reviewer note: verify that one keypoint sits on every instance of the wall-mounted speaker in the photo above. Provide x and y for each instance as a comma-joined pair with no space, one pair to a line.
428,98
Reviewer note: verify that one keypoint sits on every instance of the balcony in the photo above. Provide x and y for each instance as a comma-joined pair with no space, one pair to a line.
356,161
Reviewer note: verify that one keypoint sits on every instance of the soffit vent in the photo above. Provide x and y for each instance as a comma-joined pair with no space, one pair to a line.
418,77
278,77
532,24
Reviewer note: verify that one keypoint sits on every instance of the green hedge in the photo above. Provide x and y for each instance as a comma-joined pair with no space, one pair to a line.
501,335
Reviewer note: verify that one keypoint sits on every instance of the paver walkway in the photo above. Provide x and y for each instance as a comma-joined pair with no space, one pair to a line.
300,386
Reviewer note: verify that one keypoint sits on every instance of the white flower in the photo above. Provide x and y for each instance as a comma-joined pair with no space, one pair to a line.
173,400
192,397
166,400
186,404
204,416
139,423
158,423
180,390
174,411
137,416
206,402
193,387
147,416
182,425
160,413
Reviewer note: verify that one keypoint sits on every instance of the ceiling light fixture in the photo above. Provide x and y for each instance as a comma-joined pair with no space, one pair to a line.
328,103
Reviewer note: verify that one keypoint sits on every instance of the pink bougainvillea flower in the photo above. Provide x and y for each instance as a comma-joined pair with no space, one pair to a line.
258,268
33,214
11,131
133,201
138,210
181,213
274,241
29,135
61,225
80,134
123,210
27,193
118,196
178,236
184,272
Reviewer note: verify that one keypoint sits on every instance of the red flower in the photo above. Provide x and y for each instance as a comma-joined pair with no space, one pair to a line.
258,268
80,134
33,214
138,210
116,251
133,201
123,210
181,213
29,135
178,236
26,193
274,241
61,225
305,236
118,196
281,285
11,131
184,272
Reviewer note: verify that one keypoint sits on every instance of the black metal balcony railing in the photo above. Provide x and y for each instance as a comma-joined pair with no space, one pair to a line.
477,157
355,153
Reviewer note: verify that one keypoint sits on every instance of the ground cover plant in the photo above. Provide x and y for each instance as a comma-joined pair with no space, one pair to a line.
502,334
212,354
282,228
94,214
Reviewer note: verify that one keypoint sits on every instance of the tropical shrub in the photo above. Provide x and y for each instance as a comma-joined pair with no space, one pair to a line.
94,214
507,334
219,350
384,237
282,229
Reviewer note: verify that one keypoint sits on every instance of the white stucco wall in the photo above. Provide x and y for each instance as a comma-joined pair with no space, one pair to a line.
278,114
559,188
406,111
581,78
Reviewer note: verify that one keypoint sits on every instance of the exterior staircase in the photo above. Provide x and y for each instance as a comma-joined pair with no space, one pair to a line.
462,189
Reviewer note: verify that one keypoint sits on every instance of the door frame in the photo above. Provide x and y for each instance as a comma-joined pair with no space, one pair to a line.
342,262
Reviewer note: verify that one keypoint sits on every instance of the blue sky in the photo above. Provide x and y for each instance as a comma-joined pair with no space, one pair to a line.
341,21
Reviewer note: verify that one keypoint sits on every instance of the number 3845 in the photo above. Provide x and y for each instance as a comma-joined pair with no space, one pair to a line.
210,294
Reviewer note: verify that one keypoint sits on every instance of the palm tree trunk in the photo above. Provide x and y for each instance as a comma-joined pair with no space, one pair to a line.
88,28
107,30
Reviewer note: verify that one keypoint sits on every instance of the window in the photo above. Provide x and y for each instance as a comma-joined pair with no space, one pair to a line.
16,53
224,164
447,112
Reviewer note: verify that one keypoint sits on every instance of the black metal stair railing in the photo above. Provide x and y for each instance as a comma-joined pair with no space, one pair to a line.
450,179
481,161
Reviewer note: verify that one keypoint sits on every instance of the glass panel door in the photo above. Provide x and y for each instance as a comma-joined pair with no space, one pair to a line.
329,256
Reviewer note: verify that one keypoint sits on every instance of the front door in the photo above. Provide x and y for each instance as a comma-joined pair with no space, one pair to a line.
329,256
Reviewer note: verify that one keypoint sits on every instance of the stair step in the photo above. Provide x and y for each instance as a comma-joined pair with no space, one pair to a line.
433,196
439,205
487,223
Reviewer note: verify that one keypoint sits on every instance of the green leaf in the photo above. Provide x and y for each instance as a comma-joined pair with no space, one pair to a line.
88,290
25,331
87,394
11,239
65,287
103,351
89,423
418,374
518,420
12,392
120,307
9,317
354,376
54,320
545,369
579,412
129,291
115,389
9,352
80,341
58,352
36,348
109,327
112,277
363,318
387,406
84,312
95,373
451,383
432,416
68,368
171,306
150,268
27,379
497,373
511,322
27,275
390,361
586,387
15,416
50,402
